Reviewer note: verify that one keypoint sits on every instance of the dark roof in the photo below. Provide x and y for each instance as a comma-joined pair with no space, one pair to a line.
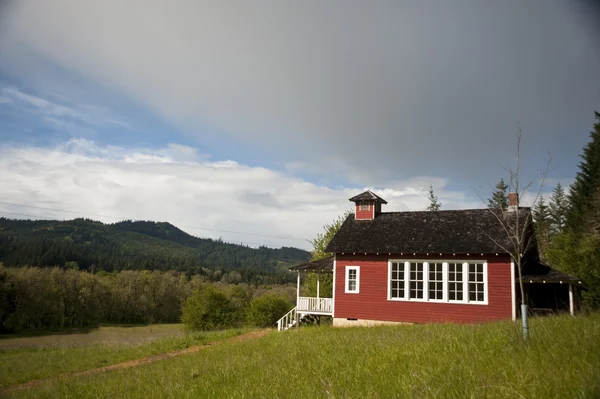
541,272
456,231
322,265
368,196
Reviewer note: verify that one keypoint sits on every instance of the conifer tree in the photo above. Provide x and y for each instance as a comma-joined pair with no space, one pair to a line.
434,205
586,182
542,220
499,199
558,208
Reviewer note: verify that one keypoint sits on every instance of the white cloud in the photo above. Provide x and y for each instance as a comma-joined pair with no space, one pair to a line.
82,176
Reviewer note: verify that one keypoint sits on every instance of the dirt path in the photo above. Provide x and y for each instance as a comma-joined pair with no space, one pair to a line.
133,363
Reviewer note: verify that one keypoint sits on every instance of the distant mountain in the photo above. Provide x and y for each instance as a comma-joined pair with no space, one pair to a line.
139,245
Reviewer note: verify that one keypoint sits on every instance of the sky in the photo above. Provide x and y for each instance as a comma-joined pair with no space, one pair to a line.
256,121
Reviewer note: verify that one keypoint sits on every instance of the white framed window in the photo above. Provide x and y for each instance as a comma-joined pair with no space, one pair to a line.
455,282
352,279
476,282
438,281
416,280
397,280
365,206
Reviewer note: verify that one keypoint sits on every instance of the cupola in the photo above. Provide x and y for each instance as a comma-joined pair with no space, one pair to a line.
368,205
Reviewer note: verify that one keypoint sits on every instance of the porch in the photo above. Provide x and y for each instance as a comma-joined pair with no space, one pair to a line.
309,305
549,291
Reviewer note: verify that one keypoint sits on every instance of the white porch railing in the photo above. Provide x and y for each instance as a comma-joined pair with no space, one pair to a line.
315,305
287,321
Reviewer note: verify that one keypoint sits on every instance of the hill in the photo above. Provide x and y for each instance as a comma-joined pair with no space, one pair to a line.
138,245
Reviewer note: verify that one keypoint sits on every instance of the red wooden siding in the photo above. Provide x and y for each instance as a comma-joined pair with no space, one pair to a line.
364,214
372,303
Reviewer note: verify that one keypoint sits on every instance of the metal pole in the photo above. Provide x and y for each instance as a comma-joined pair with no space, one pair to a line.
524,321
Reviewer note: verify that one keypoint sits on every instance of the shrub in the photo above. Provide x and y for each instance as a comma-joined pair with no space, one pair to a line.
209,309
266,310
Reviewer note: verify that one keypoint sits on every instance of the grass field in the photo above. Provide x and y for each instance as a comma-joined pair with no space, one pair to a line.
561,360
33,357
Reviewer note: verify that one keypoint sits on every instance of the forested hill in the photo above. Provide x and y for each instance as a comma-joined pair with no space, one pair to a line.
92,245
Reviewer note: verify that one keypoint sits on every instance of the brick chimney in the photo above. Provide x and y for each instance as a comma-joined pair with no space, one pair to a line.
513,201
367,205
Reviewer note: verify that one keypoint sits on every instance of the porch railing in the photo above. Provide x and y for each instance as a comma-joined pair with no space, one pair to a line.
317,305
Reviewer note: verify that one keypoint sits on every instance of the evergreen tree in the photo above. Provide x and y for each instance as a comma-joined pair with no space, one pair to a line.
499,199
558,208
542,220
434,205
587,180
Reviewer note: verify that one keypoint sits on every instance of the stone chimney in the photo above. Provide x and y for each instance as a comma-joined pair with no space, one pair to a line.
513,201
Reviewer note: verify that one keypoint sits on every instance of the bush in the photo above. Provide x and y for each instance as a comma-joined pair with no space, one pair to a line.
266,310
209,309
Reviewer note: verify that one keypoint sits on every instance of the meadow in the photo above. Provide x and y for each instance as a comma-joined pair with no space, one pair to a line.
26,358
490,360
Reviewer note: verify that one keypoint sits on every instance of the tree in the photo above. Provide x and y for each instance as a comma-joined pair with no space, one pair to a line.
499,198
434,205
518,223
587,180
558,208
319,243
541,217
266,310
578,255
208,309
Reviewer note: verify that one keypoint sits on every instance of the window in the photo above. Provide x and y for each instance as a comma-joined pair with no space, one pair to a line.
455,281
416,280
436,281
365,206
397,280
476,284
352,279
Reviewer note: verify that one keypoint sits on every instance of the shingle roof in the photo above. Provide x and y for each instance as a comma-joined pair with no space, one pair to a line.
368,196
453,231
541,272
322,265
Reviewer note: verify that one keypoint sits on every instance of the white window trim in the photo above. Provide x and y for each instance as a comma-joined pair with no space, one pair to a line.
364,203
465,275
357,290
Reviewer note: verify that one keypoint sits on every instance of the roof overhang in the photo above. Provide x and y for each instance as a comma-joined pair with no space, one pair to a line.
317,266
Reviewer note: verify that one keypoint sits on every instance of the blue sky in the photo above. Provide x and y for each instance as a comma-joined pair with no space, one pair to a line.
267,117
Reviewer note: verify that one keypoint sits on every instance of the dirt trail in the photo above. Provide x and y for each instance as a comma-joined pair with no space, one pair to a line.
133,363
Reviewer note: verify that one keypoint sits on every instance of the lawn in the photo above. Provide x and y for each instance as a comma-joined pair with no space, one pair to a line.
561,359
33,357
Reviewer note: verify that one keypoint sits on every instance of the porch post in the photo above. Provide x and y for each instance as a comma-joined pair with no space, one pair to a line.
298,290
318,284
571,302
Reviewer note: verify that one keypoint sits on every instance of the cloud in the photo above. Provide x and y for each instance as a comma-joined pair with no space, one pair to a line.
371,92
60,112
120,183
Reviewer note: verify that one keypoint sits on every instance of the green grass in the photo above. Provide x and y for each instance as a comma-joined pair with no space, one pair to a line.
58,354
561,359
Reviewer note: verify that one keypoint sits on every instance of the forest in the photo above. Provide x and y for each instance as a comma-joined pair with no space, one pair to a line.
84,244
55,298
568,224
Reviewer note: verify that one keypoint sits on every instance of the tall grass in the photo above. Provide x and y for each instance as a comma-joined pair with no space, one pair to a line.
561,359
30,363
